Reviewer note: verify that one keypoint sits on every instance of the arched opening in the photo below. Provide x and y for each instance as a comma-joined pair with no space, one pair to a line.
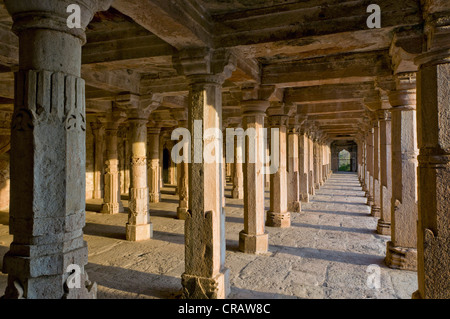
166,165
345,161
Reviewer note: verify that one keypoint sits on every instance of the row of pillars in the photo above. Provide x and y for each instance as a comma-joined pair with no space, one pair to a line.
407,189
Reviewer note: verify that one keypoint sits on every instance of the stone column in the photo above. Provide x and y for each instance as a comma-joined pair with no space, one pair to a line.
369,167
139,226
254,239
278,215
434,173
384,223
125,174
112,203
205,275
153,164
48,153
316,164
311,181
303,167
183,180
98,130
364,164
402,249
293,183
375,210
238,173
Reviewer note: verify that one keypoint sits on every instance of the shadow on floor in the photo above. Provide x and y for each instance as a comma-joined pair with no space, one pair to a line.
108,231
133,281
335,228
309,211
169,200
239,293
336,202
332,255
163,213
169,237
236,220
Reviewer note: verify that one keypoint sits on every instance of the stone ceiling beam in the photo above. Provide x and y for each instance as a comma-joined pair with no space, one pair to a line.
301,19
359,67
182,24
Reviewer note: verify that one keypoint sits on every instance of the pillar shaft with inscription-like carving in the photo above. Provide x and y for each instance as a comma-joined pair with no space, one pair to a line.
183,180
48,154
205,275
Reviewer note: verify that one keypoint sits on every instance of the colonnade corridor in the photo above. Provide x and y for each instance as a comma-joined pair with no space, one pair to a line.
328,252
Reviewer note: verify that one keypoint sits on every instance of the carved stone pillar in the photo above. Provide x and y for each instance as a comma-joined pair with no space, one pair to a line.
433,116
238,173
48,153
98,130
375,210
112,203
254,239
303,167
183,180
205,276
384,223
293,182
311,180
139,226
153,165
369,167
402,249
278,215
316,164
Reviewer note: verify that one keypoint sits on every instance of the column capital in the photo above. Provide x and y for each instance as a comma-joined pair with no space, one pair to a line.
52,14
404,97
254,107
278,120
205,65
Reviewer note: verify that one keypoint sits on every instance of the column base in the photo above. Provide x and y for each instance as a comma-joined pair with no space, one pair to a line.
401,258
375,211
112,208
281,220
383,228
317,186
369,200
182,213
238,193
304,198
295,207
253,244
154,198
139,232
195,287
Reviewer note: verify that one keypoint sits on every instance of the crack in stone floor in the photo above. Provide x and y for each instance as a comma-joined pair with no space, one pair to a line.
325,254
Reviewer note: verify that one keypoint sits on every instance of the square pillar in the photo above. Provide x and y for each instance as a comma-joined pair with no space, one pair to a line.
402,249
154,164
433,92
375,209
384,223
278,216
205,275
303,167
293,181
254,239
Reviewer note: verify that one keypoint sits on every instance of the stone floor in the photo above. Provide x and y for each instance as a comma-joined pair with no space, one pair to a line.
325,254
